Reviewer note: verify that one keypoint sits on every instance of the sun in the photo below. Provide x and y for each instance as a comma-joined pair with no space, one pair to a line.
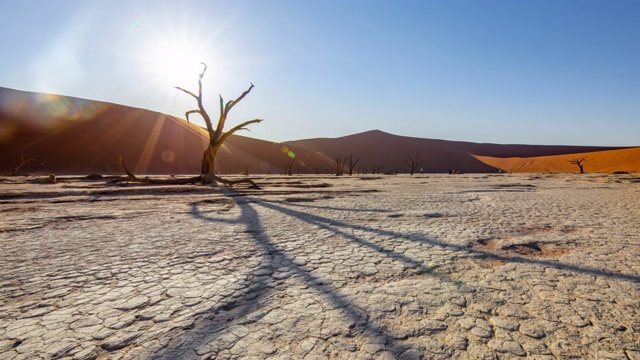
172,62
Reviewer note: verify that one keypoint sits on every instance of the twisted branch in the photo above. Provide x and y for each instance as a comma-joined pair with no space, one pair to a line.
239,127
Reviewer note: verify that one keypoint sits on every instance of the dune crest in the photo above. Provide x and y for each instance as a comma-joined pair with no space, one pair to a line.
68,135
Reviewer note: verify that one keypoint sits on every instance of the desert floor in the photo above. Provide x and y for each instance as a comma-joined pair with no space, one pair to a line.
371,267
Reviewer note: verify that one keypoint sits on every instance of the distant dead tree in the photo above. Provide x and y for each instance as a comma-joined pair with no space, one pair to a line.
217,136
351,164
23,161
131,176
413,163
288,167
579,162
339,165
376,169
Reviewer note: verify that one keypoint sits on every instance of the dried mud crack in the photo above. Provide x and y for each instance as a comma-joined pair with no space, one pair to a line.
422,267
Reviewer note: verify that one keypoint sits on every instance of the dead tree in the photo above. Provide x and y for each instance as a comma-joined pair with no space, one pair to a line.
351,164
217,136
339,161
288,167
131,177
413,163
376,169
23,161
579,162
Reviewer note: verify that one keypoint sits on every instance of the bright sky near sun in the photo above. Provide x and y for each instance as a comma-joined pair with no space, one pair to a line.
525,71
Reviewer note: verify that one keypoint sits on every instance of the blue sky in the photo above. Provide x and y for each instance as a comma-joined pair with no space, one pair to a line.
526,72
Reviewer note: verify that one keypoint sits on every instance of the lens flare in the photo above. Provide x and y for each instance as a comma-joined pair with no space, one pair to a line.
46,111
7,131
133,26
168,156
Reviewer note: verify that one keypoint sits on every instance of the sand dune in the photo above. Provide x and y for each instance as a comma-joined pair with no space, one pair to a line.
439,156
68,135
598,161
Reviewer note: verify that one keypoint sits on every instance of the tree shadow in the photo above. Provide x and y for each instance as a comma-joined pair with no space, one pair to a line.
237,310
422,238
233,312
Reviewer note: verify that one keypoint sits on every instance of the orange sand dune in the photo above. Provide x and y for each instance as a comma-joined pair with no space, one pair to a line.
68,135
598,161
75,136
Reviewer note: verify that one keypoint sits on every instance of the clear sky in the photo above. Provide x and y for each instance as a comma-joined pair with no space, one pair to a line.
520,71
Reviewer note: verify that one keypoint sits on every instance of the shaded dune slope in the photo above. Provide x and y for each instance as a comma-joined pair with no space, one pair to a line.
377,148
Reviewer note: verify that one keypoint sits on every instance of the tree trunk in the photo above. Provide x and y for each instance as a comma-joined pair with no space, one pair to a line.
208,172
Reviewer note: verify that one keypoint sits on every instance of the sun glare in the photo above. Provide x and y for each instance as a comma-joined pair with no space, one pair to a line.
173,63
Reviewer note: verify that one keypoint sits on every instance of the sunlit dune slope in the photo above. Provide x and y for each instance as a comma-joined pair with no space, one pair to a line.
68,135
599,161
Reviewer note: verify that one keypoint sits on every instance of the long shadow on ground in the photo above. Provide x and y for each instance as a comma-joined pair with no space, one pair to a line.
194,343
422,238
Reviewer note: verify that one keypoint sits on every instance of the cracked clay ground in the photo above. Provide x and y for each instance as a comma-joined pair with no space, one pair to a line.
432,267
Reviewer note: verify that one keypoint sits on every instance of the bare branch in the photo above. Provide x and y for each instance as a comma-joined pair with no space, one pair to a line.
239,181
198,98
239,127
131,176
233,103
224,112
186,91
228,106
221,104
203,71
191,112
23,161
221,120
200,85
120,161
577,161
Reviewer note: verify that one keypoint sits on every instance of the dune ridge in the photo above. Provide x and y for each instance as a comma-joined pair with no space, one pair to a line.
68,135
